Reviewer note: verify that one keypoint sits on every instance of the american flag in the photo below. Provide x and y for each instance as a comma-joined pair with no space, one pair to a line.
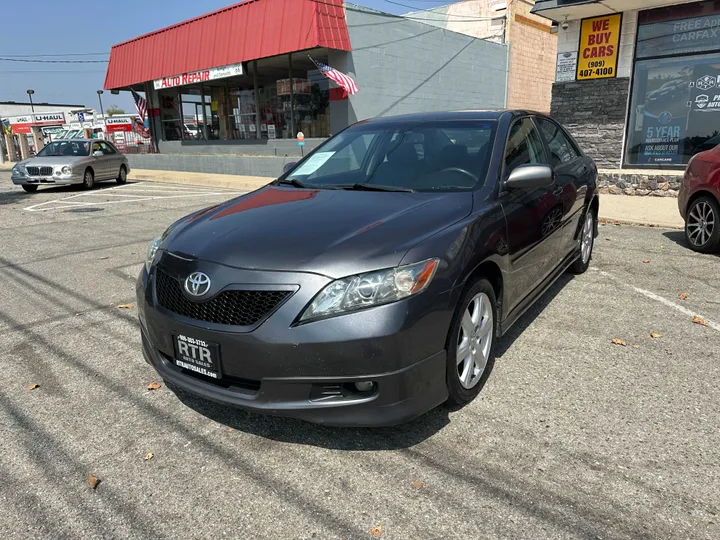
340,78
140,104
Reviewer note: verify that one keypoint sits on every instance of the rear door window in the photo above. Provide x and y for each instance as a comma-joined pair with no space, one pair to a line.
561,148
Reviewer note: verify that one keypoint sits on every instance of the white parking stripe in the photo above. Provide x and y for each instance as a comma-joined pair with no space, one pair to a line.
128,195
665,301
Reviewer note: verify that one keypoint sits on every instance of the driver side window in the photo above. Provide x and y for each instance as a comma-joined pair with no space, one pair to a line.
524,146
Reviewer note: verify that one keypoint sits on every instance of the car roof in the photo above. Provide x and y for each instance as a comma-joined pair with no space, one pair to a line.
486,114
78,140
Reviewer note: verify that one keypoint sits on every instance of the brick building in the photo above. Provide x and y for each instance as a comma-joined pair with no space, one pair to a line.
531,38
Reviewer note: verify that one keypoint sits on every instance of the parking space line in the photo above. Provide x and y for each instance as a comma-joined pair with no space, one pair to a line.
69,202
665,301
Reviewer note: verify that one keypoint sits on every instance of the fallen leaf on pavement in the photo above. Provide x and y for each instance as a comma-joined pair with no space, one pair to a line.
417,484
125,306
646,261
153,386
33,386
376,531
149,456
617,341
655,335
636,346
683,296
595,468
699,320
93,481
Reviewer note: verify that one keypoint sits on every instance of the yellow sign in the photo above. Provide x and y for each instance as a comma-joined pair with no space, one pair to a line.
599,44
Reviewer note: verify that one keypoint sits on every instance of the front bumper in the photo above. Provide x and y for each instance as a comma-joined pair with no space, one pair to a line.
55,180
309,371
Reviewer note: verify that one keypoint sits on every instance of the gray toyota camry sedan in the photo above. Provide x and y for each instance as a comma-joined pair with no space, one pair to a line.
72,161
371,281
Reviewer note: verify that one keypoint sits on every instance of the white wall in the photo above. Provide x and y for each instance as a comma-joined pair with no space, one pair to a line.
569,41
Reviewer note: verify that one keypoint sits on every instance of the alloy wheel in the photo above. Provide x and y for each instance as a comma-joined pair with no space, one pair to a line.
586,240
88,179
474,340
700,223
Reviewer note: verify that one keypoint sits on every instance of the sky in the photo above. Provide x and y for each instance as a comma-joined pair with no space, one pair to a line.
48,27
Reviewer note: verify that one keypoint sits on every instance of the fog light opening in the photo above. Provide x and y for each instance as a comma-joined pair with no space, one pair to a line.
365,386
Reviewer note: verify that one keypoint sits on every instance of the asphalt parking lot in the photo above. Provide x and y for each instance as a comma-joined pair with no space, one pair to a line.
572,437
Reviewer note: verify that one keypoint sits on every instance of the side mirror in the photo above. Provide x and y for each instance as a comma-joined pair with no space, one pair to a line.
289,166
530,176
98,153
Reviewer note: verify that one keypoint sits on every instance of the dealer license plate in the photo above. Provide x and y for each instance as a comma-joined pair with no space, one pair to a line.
197,355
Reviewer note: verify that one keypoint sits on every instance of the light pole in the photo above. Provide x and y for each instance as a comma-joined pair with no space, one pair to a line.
100,93
30,93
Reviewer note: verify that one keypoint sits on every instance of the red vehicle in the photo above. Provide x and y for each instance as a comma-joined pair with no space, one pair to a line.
699,201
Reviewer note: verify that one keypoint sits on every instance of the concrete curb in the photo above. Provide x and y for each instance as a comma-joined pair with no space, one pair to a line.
226,181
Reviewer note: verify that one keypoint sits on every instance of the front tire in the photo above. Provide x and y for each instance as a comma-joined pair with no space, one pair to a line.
29,188
587,241
702,225
471,344
122,175
88,179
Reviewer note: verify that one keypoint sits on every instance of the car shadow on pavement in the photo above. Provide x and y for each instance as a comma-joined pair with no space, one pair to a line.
301,432
531,314
679,238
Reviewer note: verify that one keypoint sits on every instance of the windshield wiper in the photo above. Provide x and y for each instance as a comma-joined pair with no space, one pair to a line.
292,182
378,187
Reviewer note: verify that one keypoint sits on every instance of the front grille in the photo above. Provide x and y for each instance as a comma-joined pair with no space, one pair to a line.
237,308
39,171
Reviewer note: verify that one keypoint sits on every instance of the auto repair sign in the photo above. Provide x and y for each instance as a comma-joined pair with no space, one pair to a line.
203,75
599,44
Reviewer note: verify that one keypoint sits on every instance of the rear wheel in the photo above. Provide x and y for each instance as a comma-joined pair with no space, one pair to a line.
587,240
29,188
702,228
471,345
122,175
88,179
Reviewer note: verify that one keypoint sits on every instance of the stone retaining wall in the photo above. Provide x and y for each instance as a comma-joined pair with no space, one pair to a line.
656,184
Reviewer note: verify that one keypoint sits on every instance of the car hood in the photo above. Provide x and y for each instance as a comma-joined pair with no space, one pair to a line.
51,161
330,232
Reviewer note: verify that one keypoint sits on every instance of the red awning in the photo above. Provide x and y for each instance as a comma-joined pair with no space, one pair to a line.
247,31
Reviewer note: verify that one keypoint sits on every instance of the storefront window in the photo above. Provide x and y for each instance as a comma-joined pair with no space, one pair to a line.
233,109
171,116
675,103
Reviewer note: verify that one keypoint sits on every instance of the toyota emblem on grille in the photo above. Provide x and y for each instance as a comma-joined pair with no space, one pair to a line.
197,284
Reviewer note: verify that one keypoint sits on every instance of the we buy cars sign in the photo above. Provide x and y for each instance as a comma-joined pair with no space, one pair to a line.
117,124
25,123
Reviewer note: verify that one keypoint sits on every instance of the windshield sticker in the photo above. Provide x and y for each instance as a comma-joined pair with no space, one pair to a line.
315,161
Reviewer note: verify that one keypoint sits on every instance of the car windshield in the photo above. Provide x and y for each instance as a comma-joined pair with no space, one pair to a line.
65,148
422,156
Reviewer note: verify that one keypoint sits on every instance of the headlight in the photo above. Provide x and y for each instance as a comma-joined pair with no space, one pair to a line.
151,251
18,170
66,169
371,289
